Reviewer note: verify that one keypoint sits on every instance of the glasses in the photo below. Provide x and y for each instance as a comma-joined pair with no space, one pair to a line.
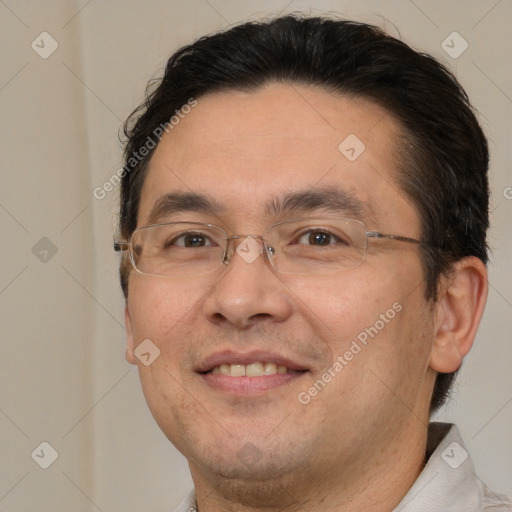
299,246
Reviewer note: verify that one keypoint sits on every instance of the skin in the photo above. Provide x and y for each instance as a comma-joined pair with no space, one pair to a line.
360,443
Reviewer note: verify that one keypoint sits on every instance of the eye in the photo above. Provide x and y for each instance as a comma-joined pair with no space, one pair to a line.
191,240
319,237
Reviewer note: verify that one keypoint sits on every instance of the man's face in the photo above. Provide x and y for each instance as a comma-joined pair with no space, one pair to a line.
246,151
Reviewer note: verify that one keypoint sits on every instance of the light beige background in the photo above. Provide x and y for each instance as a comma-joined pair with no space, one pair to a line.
63,378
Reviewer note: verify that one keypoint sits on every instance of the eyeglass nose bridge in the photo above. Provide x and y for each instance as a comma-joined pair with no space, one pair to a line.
230,248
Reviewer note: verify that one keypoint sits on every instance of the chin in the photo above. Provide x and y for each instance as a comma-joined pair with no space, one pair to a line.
247,458
238,467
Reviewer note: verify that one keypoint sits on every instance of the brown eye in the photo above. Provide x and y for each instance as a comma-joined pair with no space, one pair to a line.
191,240
319,238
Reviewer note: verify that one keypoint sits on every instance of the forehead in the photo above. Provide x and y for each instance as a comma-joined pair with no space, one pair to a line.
246,149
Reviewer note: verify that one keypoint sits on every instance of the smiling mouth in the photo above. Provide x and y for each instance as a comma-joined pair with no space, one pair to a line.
256,369
248,374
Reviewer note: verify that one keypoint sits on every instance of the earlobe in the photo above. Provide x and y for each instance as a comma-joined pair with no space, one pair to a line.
130,342
462,297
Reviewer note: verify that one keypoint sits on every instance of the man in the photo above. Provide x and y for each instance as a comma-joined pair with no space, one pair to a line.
304,268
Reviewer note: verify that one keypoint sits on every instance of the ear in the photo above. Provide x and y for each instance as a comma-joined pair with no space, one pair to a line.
462,297
130,342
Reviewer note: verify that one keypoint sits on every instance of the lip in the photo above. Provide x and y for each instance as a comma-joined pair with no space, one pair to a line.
244,386
241,386
237,357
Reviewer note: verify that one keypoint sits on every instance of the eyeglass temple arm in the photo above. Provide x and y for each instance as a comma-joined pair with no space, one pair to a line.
121,246
376,234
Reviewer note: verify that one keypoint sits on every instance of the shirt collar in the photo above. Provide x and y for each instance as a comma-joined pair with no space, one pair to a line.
189,503
448,481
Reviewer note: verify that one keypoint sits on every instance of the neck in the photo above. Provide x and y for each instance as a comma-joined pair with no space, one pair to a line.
375,481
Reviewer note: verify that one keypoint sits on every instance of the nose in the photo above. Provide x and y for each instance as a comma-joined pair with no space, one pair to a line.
248,291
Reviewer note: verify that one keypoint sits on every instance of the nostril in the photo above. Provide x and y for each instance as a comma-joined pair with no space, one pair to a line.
260,315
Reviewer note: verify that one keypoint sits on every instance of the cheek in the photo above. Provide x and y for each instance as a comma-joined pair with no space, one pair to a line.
162,310
346,306
371,318
165,313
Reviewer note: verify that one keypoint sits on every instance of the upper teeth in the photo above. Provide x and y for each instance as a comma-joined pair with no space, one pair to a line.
249,370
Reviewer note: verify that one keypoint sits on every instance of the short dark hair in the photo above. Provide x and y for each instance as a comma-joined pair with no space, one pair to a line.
442,156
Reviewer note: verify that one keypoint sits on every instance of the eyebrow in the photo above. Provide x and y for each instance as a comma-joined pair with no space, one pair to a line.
327,199
177,202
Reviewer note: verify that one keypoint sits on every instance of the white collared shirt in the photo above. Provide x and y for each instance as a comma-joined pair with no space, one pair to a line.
448,482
